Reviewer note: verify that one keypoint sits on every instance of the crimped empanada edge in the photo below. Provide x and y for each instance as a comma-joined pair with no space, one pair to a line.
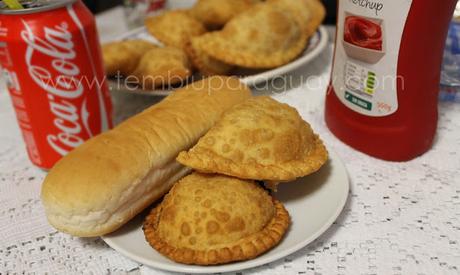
177,75
319,13
245,249
238,58
198,63
227,55
215,163
150,24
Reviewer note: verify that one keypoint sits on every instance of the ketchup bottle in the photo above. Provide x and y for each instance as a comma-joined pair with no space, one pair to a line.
382,99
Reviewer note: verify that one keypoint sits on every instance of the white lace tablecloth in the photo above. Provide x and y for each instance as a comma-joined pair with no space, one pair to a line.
400,218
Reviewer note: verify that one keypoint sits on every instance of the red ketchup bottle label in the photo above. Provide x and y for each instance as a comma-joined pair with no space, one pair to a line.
363,33
382,99
369,36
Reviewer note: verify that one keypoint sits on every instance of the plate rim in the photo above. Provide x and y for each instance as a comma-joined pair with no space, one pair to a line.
251,80
193,269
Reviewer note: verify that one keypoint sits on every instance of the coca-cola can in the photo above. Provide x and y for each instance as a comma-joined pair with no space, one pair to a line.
51,61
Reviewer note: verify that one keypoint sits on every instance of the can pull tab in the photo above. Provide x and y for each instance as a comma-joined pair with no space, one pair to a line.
21,4
13,4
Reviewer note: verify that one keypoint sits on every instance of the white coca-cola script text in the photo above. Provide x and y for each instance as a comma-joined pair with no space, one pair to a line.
59,78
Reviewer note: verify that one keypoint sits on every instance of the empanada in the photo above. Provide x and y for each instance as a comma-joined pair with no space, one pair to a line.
124,56
215,219
265,36
312,12
216,13
203,62
259,139
162,67
174,28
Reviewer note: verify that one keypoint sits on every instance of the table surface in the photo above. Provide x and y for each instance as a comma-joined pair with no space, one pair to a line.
400,218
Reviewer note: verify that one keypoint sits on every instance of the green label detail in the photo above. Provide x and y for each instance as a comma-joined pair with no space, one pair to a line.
370,84
358,101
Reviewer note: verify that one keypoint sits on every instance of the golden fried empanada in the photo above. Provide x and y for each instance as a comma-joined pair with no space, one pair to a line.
318,12
259,139
174,28
215,219
124,56
216,13
162,67
312,12
203,62
265,36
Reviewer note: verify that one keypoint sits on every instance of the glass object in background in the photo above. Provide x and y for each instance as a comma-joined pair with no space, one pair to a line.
180,4
450,74
137,10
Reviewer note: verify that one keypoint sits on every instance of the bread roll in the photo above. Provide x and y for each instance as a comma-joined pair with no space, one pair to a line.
106,181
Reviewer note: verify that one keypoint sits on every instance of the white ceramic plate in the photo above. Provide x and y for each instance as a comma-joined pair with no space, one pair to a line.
314,203
251,78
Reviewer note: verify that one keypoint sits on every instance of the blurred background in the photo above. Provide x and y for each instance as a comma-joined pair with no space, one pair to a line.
98,6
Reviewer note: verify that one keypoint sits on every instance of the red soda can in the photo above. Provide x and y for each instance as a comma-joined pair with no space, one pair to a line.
51,60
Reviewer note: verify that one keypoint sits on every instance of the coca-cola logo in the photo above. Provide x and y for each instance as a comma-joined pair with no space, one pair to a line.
58,75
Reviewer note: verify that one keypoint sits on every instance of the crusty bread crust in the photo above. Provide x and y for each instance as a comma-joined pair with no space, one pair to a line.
109,179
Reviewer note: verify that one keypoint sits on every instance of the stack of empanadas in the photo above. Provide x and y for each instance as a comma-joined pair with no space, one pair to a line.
219,213
124,56
220,35
146,64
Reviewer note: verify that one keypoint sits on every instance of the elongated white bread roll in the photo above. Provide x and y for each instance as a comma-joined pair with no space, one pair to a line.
106,181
